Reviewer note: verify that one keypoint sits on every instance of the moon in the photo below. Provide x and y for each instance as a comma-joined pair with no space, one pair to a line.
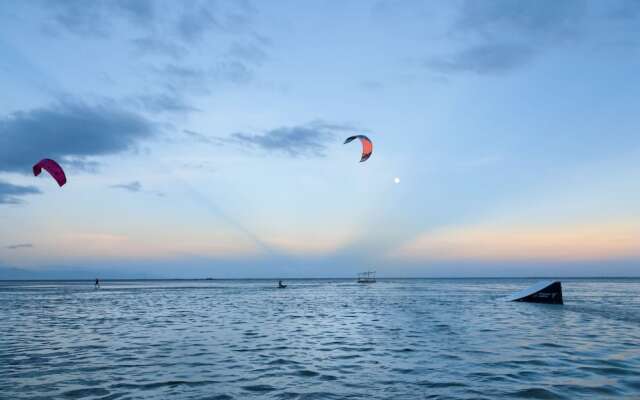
396,180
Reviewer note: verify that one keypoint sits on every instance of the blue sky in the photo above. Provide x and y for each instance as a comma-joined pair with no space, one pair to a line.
204,138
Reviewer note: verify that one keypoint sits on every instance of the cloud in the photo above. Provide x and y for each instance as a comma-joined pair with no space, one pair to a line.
81,164
484,59
180,32
68,131
78,19
251,53
495,17
199,137
232,71
134,186
194,22
10,194
139,12
487,242
156,45
19,246
171,33
198,18
198,165
171,102
98,20
179,79
186,22
498,36
302,140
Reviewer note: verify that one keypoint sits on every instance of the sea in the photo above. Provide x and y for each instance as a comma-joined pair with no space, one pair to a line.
318,339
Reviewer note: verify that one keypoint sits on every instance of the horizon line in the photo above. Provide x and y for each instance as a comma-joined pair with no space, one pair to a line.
324,278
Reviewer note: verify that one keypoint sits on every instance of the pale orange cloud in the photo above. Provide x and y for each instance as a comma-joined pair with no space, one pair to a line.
522,243
306,243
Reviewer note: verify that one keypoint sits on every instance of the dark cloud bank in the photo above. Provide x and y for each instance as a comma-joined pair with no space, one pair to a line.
68,130
68,133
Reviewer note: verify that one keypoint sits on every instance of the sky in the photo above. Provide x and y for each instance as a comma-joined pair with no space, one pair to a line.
205,138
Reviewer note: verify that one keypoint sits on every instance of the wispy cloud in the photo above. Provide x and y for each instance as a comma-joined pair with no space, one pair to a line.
194,21
197,18
607,240
81,164
159,46
68,130
303,140
498,36
484,59
160,31
19,246
168,27
134,186
170,102
201,138
74,17
179,79
252,52
11,194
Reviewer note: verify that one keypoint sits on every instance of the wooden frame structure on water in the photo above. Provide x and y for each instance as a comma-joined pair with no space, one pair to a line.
367,277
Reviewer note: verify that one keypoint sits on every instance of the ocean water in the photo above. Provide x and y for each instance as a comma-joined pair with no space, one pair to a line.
318,339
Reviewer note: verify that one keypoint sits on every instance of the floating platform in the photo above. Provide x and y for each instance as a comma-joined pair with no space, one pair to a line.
547,292
367,277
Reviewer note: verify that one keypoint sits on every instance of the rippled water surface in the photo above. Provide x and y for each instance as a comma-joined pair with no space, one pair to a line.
317,339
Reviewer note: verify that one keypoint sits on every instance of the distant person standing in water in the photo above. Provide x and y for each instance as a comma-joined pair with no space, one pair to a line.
280,285
97,285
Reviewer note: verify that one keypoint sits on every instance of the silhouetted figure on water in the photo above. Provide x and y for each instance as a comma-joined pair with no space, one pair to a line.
280,285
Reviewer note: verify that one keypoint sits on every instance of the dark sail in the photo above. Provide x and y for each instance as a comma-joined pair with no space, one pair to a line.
548,292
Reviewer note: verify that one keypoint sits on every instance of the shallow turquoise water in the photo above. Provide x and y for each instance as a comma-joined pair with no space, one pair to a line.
318,339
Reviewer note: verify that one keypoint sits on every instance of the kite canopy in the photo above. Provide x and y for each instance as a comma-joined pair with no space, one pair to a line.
367,146
53,168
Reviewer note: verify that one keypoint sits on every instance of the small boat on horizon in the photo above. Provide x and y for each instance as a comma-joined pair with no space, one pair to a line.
367,277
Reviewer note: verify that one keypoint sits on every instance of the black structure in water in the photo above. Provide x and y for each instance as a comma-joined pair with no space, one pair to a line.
548,292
